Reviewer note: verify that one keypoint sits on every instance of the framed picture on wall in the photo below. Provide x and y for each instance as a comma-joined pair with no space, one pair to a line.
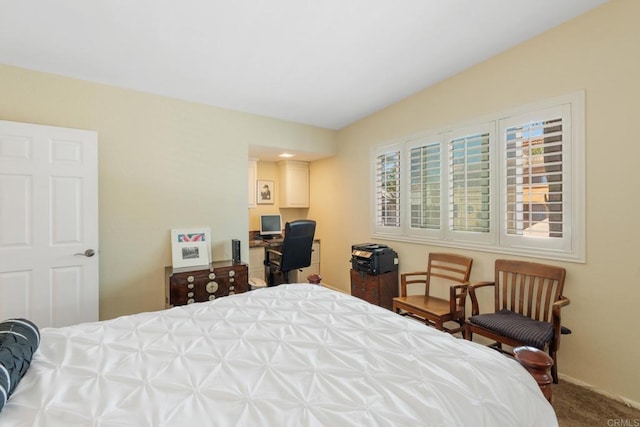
265,192
190,247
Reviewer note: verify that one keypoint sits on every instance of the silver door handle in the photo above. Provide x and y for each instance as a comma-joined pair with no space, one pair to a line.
88,253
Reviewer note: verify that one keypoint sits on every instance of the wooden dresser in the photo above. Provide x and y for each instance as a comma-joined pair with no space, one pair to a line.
197,284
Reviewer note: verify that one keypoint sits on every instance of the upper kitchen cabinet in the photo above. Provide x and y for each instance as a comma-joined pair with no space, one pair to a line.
294,184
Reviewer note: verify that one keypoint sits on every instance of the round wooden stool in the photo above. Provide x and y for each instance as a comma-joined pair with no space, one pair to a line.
538,363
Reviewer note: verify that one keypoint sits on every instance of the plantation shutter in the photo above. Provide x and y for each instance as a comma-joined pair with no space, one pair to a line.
469,183
425,183
387,189
534,179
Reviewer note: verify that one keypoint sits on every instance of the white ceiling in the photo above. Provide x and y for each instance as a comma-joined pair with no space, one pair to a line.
325,62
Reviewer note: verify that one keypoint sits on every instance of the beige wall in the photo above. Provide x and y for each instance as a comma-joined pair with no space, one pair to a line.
163,163
597,52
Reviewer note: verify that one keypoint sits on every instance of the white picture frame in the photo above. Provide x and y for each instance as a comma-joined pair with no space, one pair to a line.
190,247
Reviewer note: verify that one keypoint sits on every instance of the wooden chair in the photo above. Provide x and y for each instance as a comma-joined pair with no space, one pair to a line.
430,309
527,302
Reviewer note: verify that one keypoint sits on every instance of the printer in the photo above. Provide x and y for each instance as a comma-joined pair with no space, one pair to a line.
373,258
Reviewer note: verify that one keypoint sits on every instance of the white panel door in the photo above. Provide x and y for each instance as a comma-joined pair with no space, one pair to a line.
48,224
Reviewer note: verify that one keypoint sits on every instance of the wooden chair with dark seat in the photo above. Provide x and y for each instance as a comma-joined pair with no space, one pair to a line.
295,252
527,302
449,270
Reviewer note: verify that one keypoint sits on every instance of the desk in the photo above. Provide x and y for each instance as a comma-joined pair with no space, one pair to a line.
257,255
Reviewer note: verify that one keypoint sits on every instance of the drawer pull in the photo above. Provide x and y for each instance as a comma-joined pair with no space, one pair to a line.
190,301
190,294
212,276
212,297
232,273
212,287
190,286
190,279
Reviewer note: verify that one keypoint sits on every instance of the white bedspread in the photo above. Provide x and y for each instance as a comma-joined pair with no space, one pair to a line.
293,355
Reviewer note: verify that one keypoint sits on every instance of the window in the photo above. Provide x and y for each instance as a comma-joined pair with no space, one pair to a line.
537,183
513,184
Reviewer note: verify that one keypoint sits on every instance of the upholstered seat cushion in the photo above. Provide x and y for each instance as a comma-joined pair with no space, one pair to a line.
516,326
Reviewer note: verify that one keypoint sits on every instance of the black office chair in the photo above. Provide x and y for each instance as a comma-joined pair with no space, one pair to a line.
295,252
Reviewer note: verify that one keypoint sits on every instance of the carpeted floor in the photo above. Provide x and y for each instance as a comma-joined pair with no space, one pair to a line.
578,406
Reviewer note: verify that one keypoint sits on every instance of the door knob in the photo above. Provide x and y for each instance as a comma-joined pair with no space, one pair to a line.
88,253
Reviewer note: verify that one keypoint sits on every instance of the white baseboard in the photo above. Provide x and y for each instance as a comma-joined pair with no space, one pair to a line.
628,402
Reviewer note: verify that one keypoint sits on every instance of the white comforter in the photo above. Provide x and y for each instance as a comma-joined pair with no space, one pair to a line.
293,355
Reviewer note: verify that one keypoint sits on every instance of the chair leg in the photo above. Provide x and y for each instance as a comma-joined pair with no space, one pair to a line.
467,334
462,328
554,367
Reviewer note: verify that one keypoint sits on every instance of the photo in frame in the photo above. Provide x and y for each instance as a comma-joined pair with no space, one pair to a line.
265,192
190,247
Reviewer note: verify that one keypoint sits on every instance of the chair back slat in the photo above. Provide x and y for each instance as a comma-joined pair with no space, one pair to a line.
539,296
501,282
528,288
532,288
450,266
547,299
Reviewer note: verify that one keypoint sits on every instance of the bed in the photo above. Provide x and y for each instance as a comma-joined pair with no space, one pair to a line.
291,355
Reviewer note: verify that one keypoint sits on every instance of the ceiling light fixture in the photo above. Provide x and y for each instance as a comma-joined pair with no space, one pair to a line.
286,155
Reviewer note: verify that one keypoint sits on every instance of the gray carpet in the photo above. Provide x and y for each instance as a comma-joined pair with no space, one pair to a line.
578,406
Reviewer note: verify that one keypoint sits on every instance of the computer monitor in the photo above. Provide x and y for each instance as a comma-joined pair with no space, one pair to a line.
270,225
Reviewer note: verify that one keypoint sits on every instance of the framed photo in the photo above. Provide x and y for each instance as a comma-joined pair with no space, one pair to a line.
265,192
190,247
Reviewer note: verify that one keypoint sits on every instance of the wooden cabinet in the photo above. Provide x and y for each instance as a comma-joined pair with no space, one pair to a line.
377,289
197,284
294,184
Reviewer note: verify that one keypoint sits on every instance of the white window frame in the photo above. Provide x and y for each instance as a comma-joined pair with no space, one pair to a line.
571,109
571,247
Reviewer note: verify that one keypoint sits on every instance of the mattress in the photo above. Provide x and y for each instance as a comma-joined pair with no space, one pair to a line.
291,355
